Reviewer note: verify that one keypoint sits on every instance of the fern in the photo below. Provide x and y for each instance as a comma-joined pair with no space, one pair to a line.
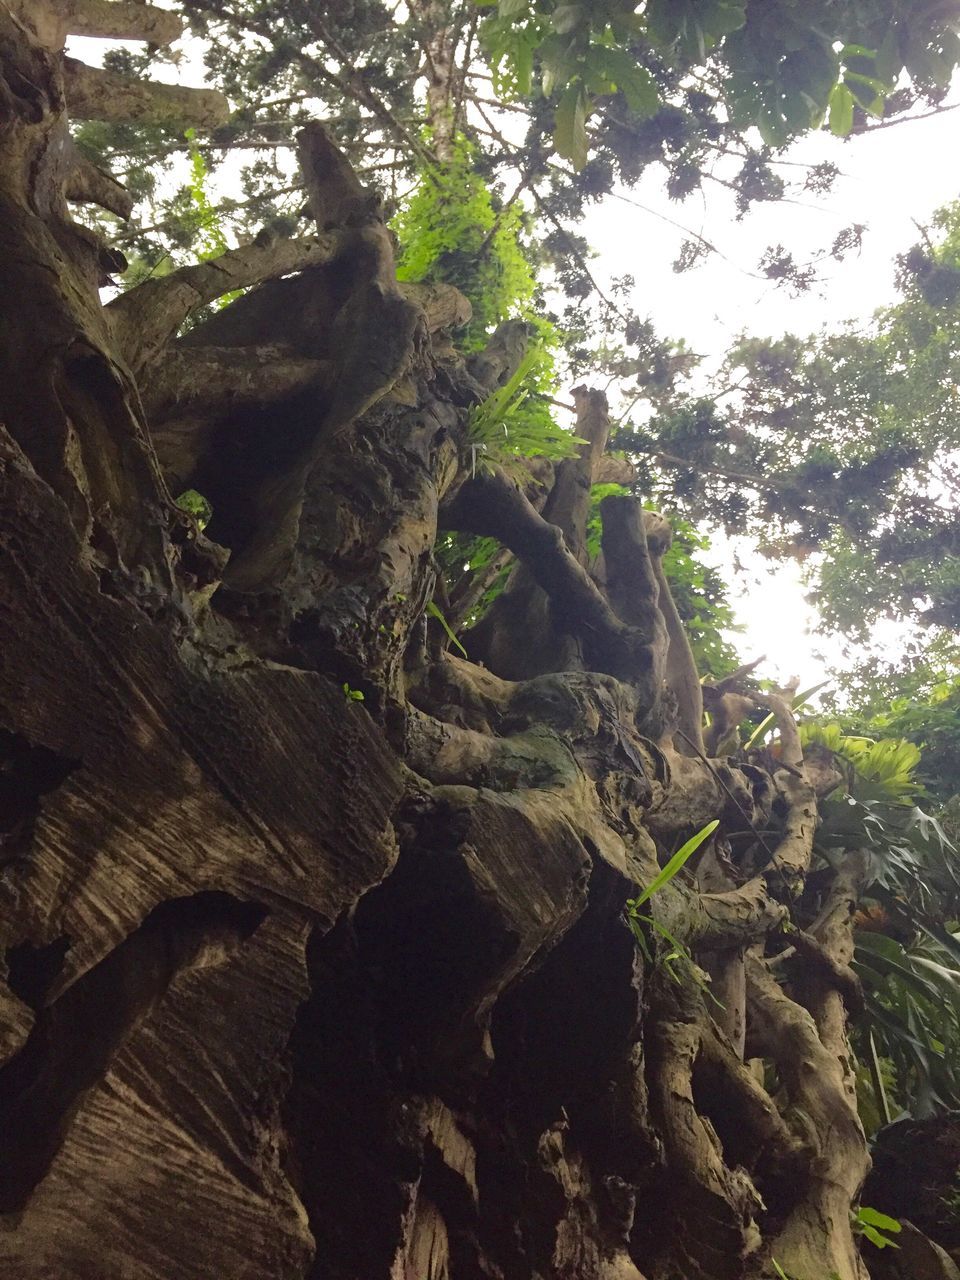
450,232
514,422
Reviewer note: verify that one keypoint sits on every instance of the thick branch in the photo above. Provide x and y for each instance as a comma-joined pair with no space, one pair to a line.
148,316
54,20
718,920
568,505
89,184
95,94
335,195
492,506
193,378
682,675
817,1238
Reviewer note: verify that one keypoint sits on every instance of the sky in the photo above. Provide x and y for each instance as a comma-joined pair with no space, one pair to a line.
890,180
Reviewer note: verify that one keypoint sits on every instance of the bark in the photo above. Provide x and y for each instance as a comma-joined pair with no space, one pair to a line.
316,958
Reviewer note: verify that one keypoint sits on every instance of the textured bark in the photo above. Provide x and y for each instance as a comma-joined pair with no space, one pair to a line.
316,952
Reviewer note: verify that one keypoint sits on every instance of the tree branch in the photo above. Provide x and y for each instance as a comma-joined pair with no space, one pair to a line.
494,507
95,94
54,20
146,318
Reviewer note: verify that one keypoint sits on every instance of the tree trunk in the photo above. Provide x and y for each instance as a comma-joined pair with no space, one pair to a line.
318,959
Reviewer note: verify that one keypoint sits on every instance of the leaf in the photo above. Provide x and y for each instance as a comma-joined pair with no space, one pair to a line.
523,67
635,82
567,17
723,19
557,62
676,862
513,8
889,62
570,133
877,1238
874,1218
196,505
435,611
841,110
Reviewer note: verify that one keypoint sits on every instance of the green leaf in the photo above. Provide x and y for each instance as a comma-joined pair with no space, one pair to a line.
196,505
874,1218
570,133
513,8
557,62
841,110
635,82
724,19
435,611
523,67
925,65
676,862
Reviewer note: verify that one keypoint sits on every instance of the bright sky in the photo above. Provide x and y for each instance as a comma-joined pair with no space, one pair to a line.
890,179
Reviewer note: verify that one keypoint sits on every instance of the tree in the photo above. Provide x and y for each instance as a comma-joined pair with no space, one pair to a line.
838,450
329,950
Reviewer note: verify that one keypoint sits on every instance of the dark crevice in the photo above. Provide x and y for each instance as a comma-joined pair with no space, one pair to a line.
31,970
74,1040
347,1147
27,772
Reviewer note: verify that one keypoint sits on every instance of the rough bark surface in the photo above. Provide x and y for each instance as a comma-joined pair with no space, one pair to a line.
317,958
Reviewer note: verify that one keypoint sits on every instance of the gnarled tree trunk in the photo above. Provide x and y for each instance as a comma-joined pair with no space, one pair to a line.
316,953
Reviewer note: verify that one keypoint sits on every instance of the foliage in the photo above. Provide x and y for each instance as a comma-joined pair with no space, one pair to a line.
450,231
780,67
635,919
839,451
874,1225
929,717
678,85
514,421
212,241
908,950
196,505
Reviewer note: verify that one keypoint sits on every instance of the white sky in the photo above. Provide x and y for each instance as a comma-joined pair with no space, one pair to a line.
890,179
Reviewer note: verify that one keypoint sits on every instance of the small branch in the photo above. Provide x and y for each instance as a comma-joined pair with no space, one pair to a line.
148,316
568,505
790,748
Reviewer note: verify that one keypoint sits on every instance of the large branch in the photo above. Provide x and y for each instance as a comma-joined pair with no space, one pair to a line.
54,20
816,1238
95,94
492,506
147,317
